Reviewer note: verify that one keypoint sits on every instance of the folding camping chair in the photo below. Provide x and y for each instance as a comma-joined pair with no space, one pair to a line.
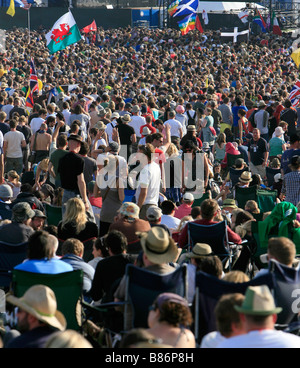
266,199
242,195
235,175
214,235
53,213
66,286
209,290
10,256
270,172
286,291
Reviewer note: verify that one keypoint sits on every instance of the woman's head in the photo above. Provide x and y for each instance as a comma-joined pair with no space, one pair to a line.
172,309
75,213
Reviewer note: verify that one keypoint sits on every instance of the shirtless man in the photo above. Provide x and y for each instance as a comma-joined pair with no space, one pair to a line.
42,145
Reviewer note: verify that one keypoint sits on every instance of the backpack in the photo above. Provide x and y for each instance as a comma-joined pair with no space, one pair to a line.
191,121
251,118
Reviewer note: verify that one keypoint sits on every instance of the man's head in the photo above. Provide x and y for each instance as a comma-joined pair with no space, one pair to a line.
73,246
116,242
154,214
256,134
158,247
41,245
228,319
168,208
38,221
38,307
282,250
258,310
6,192
74,142
22,213
209,209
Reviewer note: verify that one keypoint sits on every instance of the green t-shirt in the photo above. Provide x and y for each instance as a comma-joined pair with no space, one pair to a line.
276,146
54,159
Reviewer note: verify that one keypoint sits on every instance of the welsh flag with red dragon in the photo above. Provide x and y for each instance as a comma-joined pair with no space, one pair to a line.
64,33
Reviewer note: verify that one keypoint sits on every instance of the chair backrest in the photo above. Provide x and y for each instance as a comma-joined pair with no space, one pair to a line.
5,211
235,175
53,213
270,173
197,202
286,291
214,235
88,249
209,290
12,254
242,195
266,200
231,159
143,286
66,286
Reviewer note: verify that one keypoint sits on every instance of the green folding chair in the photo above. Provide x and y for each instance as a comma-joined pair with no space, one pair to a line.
242,195
66,286
198,201
53,213
266,199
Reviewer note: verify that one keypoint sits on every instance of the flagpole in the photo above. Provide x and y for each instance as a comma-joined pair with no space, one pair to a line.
28,25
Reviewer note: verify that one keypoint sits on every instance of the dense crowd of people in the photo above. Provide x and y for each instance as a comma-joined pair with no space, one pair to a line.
135,133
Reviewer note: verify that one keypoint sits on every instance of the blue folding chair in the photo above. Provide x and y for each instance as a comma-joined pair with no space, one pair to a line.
143,286
286,291
10,256
209,290
214,235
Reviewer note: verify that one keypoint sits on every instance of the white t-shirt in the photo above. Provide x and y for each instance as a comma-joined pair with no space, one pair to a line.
212,340
109,130
14,140
150,177
265,339
35,124
170,221
136,123
175,127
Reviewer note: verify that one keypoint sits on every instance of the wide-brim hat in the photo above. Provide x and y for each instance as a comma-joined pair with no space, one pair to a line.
258,302
200,250
229,203
246,177
158,246
100,125
126,118
40,302
75,137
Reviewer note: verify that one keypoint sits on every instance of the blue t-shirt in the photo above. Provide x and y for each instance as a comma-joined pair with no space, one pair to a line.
51,266
286,159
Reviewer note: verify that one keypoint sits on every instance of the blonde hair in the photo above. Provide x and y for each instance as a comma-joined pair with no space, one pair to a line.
68,339
236,276
75,213
43,165
13,174
172,150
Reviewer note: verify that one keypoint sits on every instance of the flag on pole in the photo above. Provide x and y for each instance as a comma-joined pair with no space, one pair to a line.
276,28
33,85
187,24
296,57
91,28
235,36
64,33
173,7
205,17
199,25
11,10
295,94
258,19
243,15
186,7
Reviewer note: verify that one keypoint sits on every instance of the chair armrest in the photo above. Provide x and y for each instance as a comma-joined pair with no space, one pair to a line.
103,307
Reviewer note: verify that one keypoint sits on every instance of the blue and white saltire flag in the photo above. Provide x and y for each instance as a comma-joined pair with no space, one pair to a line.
186,7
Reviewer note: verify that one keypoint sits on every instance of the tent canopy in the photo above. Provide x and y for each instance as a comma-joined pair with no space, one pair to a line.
221,6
